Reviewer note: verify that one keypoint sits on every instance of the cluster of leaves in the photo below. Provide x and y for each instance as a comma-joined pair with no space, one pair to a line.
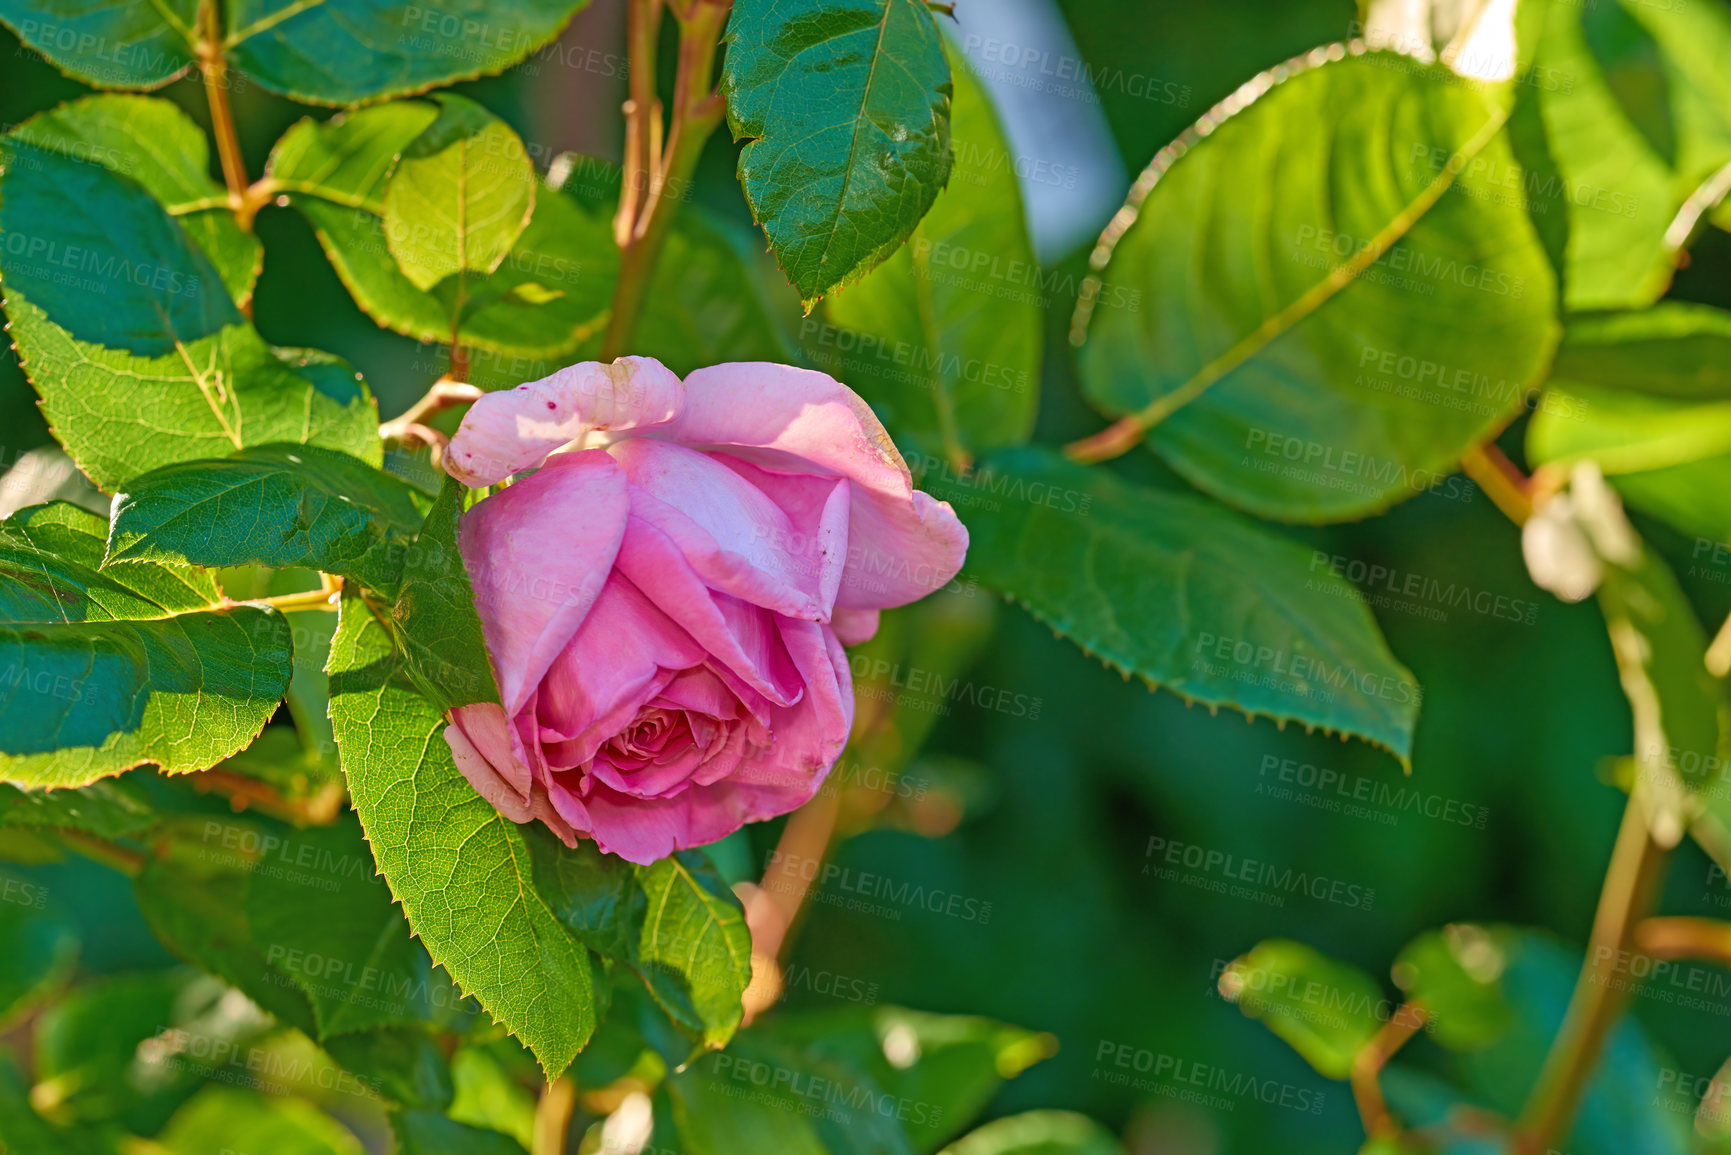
1398,257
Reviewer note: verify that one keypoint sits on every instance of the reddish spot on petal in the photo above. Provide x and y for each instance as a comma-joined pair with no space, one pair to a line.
552,405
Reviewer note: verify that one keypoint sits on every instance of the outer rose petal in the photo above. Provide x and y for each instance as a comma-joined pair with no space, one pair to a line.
489,785
509,431
902,545
538,555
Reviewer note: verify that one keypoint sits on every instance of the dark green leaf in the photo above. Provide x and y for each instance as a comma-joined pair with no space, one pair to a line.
435,622
674,922
109,45
477,911
104,671
845,108
1327,1010
1038,1133
460,197
1674,349
1370,311
1455,975
404,1063
283,506
956,312
364,50
115,808
230,1119
948,1066
1184,594
429,1133
156,144
38,942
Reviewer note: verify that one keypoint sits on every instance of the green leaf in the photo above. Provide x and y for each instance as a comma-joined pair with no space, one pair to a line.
1636,115
159,146
228,1118
1377,301
957,311
461,195
675,923
104,671
28,1132
460,869
113,808
487,1096
435,623
318,912
762,1094
193,892
429,1133
1327,1010
283,506
551,293
1675,349
128,334
108,45
1038,1133
845,108
404,1063
359,51
1184,594
39,944
1455,975
950,1066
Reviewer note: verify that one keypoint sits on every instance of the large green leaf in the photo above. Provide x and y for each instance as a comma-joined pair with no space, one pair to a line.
159,146
435,623
221,1119
1326,1009
109,45
353,51
430,1133
283,506
101,671
461,195
1184,594
1675,349
945,334
1376,301
127,332
114,808
461,870
550,294
845,108
1636,113
674,923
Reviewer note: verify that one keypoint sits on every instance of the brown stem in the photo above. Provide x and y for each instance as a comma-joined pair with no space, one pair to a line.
320,809
656,178
1509,489
214,67
446,393
1367,1068
553,1116
780,898
1631,884
1707,939
110,854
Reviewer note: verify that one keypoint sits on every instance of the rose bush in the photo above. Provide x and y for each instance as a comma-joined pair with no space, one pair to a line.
666,598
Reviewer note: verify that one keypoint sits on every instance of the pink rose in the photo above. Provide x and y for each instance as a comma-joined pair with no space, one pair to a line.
665,600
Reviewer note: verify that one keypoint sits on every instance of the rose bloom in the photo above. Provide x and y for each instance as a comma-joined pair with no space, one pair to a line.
665,599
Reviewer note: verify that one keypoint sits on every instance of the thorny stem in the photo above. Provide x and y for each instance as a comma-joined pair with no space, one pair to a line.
1631,884
656,176
1367,1068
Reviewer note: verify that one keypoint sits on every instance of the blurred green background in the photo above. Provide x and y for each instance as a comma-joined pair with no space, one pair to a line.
1056,811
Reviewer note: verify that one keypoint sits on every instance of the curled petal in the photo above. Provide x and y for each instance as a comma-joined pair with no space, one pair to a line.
902,544
515,429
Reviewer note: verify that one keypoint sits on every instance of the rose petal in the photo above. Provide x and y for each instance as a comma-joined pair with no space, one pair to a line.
806,738
855,627
730,531
538,554
512,430
902,544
